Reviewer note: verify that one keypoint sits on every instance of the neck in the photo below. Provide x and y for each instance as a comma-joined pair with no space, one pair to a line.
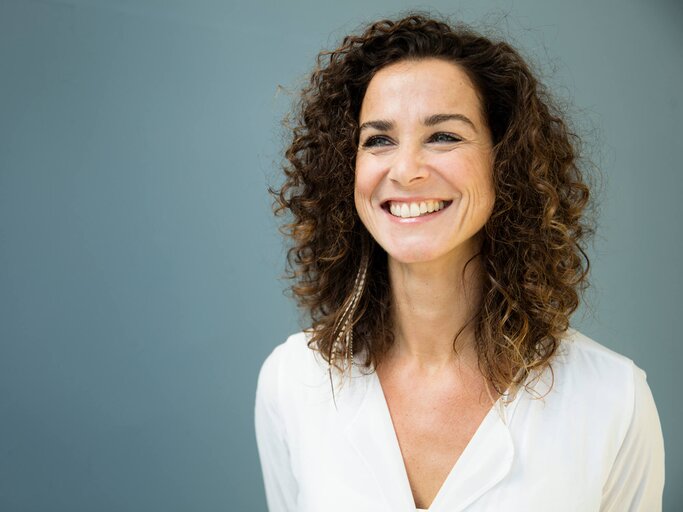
431,302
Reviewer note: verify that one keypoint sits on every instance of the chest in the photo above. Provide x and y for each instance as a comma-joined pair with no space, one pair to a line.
433,426
364,454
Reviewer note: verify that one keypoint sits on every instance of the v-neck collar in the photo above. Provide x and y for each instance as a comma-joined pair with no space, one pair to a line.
486,460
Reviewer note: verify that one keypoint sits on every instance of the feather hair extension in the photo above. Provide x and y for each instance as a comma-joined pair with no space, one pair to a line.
346,322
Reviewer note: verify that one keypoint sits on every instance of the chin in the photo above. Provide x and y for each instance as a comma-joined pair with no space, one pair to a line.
413,254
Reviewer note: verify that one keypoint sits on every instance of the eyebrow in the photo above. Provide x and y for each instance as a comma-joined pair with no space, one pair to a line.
384,125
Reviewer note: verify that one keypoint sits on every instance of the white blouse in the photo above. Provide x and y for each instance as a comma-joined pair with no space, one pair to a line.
594,443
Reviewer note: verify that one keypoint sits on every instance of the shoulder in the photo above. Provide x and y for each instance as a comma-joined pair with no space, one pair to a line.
581,356
292,355
582,362
591,383
289,363
602,408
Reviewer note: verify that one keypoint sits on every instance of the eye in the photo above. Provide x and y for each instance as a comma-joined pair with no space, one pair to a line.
444,137
376,140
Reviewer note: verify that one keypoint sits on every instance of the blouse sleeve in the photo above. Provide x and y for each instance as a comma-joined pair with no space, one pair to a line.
279,482
636,480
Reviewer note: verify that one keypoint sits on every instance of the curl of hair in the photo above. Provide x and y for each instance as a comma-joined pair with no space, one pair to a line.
532,257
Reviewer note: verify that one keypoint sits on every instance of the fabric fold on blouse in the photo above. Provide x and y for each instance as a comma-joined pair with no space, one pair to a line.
591,443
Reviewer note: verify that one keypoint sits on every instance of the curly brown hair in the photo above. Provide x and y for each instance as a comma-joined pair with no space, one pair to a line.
532,259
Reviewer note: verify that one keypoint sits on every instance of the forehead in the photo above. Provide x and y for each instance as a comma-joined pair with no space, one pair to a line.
420,87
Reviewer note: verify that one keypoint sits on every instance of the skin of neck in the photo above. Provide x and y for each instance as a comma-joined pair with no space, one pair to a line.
431,301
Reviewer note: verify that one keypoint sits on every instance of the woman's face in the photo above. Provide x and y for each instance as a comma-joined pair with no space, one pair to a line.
423,185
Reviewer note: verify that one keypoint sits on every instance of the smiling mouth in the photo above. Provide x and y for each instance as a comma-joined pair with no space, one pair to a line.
414,209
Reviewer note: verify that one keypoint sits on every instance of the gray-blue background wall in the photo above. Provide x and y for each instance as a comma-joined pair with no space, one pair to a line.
140,263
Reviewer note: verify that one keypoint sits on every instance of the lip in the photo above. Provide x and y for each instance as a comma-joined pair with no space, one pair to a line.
414,220
416,199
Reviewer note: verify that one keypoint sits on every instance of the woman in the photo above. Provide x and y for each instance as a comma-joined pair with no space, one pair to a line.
437,217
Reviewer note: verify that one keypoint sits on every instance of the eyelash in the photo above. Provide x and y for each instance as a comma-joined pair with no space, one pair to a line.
370,142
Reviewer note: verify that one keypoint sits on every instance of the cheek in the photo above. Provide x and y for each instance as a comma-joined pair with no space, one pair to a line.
488,198
482,185
477,178
365,183
484,197
365,186
488,188
361,199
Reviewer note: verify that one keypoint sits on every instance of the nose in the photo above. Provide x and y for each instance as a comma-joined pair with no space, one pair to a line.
408,167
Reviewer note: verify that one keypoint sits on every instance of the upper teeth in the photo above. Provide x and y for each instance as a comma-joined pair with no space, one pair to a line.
414,209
